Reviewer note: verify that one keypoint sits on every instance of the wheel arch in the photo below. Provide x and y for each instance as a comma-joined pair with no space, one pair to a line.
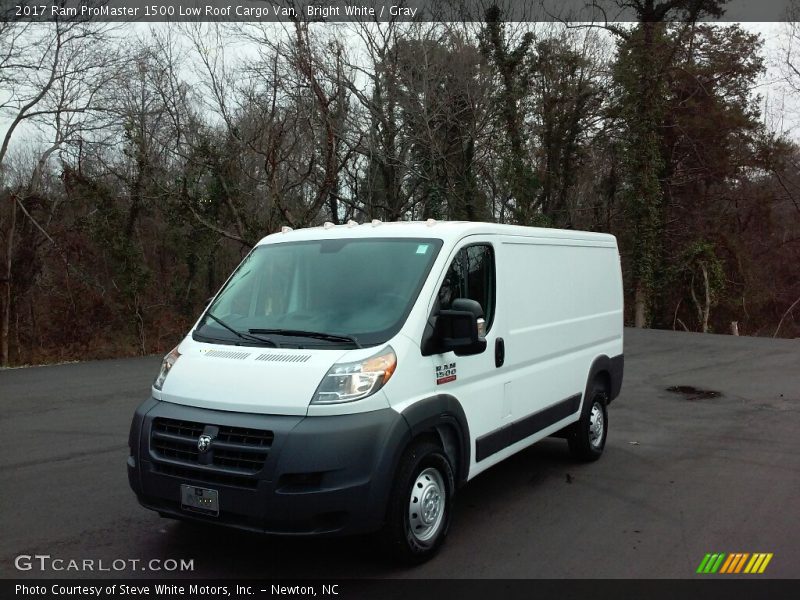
443,416
609,371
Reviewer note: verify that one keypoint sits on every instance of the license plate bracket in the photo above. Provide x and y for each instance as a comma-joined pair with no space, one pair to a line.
200,499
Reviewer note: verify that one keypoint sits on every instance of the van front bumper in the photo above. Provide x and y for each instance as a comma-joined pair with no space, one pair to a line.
277,474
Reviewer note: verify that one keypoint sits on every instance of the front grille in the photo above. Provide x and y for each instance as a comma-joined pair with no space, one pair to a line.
248,437
239,449
175,450
182,428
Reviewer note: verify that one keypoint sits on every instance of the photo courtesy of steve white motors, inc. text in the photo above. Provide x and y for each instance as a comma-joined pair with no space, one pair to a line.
168,589
214,10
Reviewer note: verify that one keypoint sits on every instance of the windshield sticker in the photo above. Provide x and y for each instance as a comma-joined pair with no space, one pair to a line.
445,373
422,248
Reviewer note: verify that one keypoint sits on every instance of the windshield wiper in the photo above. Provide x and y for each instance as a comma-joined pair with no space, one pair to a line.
334,337
245,336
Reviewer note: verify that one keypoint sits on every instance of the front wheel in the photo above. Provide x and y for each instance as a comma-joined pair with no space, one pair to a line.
419,509
587,437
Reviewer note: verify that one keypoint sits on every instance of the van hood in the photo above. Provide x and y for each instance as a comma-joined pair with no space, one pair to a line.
278,381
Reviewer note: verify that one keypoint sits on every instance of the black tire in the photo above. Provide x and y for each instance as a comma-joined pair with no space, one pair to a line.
423,472
583,436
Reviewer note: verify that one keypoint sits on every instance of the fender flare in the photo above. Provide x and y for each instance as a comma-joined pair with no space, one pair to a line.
438,413
614,367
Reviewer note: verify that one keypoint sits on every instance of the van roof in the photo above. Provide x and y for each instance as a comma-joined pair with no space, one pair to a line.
444,230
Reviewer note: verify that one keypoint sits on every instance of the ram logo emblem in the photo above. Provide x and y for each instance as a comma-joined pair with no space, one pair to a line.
204,442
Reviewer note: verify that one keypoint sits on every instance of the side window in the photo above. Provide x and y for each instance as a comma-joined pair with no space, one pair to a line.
471,275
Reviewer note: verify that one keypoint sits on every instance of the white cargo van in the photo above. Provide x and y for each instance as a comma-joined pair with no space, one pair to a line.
350,378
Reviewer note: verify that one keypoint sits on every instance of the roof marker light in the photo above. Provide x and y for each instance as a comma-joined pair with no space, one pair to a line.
286,229
327,225
376,222
430,222
351,223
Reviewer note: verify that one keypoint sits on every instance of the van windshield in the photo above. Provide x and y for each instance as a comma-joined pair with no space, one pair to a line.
352,292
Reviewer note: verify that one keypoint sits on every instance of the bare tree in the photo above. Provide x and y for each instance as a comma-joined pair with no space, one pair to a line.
51,73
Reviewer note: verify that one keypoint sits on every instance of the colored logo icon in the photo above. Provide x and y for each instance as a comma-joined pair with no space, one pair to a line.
737,562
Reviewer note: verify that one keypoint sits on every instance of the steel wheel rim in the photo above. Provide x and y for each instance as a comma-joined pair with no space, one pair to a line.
426,505
596,425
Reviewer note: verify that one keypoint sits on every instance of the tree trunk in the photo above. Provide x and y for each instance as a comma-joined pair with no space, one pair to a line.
707,305
6,317
640,307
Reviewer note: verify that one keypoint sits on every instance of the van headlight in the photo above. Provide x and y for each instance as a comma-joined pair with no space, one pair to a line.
166,365
347,382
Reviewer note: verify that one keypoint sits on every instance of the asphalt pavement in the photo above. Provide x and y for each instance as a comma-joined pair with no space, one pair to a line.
681,476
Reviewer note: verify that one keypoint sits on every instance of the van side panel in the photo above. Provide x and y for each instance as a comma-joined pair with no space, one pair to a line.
562,300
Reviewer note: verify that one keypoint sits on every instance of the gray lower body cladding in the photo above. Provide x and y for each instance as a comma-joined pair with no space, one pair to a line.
276,474
616,371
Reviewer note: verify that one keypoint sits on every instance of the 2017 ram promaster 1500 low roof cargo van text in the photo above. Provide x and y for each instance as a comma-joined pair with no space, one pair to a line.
349,378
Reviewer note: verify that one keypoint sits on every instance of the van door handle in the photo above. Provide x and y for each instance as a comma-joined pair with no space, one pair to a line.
499,352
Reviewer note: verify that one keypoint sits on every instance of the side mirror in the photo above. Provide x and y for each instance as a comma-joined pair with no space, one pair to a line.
468,305
460,329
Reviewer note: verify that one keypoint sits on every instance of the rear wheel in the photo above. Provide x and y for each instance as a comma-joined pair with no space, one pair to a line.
419,509
587,437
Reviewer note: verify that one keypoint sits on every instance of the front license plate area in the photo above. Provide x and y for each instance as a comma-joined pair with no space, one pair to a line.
198,499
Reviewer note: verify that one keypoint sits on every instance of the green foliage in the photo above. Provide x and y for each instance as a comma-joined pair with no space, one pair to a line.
566,97
108,226
513,68
638,72
690,127
696,266
700,256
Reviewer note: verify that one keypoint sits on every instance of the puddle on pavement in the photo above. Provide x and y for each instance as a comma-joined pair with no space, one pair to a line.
692,393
